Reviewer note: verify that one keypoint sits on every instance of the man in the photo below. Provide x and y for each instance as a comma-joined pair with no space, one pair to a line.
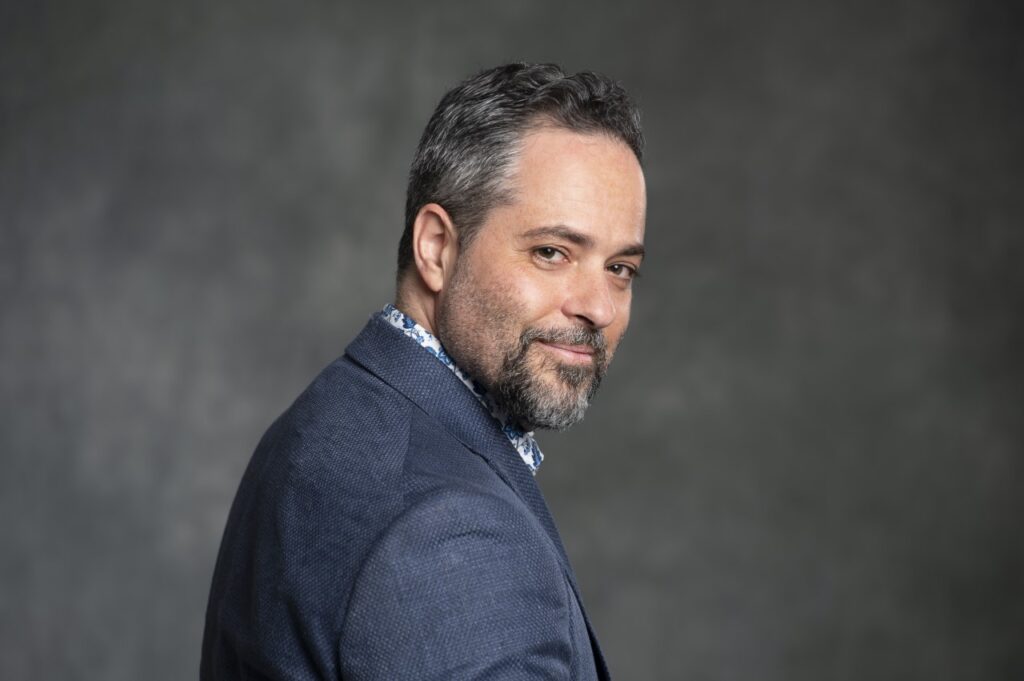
389,525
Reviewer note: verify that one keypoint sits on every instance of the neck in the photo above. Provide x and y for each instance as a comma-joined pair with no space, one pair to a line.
418,302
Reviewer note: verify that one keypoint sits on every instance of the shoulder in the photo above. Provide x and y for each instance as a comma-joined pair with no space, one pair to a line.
351,430
349,458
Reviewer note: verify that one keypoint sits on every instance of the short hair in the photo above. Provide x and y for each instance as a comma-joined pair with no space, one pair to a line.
463,158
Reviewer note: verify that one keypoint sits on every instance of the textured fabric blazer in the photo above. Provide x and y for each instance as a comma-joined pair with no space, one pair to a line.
385,528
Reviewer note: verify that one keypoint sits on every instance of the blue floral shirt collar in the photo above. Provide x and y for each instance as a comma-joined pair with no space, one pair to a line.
523,441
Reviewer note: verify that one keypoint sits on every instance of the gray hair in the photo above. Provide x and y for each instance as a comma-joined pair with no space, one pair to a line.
463,159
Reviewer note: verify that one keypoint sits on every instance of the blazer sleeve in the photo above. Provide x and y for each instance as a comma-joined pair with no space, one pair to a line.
461,586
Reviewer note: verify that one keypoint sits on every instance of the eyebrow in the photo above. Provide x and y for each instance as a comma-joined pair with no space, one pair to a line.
578,238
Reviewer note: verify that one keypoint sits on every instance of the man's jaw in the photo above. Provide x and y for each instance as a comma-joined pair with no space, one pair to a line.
548,382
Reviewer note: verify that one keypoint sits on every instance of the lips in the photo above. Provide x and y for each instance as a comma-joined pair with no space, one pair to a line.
577,347
580,349
572,353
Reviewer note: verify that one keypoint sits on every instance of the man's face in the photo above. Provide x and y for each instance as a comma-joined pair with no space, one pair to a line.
540,298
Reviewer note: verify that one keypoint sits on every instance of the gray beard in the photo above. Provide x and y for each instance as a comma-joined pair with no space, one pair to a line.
526,399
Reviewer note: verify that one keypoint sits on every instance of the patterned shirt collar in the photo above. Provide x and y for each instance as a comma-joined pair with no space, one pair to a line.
523,441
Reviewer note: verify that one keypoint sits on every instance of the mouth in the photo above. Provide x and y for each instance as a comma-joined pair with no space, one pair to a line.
570,353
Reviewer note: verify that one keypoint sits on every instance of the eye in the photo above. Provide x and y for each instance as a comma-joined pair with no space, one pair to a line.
549,254
624,271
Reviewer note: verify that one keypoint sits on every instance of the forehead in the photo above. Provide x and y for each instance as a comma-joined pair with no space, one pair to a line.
589,181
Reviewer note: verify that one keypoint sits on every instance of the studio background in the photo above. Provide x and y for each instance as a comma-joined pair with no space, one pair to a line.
806,461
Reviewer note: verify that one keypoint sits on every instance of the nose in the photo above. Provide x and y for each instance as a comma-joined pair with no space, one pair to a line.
590,299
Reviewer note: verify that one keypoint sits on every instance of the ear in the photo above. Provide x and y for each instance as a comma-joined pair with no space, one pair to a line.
435,245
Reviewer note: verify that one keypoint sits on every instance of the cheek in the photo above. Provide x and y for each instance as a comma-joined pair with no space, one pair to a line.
537,295
539,302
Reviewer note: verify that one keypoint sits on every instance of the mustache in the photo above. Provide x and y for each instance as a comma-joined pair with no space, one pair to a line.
575,335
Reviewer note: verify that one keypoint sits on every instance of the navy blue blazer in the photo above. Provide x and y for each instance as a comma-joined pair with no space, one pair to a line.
385,528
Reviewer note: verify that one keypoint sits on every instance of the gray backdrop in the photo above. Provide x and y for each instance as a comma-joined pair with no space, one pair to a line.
807,460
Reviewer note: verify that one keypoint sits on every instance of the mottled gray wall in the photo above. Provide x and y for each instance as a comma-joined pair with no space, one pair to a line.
807,461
